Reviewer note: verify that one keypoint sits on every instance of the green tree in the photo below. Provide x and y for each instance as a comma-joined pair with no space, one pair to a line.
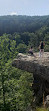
21,48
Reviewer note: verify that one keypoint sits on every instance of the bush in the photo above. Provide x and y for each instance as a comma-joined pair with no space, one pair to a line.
41,109
46,48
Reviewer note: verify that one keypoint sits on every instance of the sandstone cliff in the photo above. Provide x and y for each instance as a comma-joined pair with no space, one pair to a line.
39,66
40,69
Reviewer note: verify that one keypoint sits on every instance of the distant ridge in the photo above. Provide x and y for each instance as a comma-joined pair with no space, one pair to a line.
19,23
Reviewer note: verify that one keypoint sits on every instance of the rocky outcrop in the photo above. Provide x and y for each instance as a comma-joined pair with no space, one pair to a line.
47,101
40,69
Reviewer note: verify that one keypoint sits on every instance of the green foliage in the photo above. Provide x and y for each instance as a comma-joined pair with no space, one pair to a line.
33,40
15,90
46,48
21,48
21,24
42,109
46,39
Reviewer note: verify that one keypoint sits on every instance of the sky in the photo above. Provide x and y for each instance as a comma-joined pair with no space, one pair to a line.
24,7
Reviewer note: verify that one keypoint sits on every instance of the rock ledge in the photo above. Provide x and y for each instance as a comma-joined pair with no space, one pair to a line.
40,69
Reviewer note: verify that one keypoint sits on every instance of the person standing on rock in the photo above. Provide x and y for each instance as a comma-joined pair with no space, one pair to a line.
42,44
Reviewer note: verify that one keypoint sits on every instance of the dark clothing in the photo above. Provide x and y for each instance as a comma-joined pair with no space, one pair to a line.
30,52
42,46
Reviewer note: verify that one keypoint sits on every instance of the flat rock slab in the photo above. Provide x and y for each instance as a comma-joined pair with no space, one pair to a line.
36,65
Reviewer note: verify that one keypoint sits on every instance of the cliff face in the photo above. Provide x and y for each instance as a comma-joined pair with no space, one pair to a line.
40,69
39,66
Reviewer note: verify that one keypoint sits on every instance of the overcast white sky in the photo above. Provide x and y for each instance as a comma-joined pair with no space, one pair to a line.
24,7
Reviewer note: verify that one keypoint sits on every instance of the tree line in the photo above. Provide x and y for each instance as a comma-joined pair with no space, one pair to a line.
11,24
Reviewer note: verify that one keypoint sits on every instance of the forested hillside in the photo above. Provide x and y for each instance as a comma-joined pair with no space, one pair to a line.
28,30
17,34
11,24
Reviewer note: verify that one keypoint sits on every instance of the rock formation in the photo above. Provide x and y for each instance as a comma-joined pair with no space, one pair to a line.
40,69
